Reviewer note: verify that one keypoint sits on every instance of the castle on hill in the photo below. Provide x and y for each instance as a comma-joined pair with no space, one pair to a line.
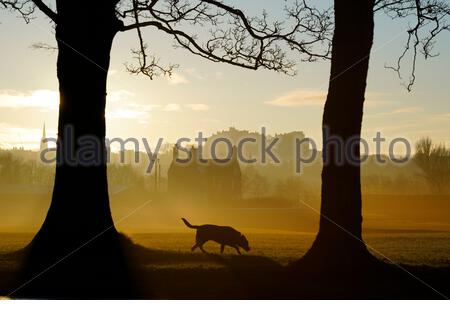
208,179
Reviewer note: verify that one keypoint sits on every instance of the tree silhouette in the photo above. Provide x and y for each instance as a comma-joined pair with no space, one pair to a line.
79,211
434,161
79,215
339,241
254,184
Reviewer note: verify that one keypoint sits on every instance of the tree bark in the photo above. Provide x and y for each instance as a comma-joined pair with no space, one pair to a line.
80,204
78,232
339,238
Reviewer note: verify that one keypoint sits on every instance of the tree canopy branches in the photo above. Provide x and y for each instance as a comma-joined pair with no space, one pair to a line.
428,18
228,35
216,31
26,8
221,32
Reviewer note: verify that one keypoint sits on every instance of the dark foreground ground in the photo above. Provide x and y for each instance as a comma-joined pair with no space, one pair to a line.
160,274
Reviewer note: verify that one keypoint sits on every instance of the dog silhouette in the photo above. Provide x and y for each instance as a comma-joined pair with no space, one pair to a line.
225,236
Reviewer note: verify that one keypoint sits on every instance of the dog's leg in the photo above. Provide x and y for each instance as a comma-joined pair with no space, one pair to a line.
237,249
222,247
194,247
201,248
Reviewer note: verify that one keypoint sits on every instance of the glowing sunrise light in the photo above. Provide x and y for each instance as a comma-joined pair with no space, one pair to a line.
42,99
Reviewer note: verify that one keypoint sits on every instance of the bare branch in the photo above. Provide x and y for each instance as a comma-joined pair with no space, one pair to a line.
428,20
26,8
217,31
231,36
46,10
23,7
43,46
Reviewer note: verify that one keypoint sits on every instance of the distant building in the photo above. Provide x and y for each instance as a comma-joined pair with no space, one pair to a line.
44,144
45,152
211,180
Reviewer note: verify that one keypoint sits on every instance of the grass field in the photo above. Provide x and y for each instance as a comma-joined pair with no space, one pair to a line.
164,268
417,248
413,231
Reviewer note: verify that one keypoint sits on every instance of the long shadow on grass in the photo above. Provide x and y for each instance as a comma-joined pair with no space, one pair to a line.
184,275
160,274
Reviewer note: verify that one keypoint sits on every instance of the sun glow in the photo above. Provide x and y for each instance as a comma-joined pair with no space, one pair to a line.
42,99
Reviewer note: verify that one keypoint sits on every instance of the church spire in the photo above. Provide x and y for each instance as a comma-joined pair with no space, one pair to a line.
43,139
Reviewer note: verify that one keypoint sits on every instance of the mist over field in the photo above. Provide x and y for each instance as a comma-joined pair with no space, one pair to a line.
193,149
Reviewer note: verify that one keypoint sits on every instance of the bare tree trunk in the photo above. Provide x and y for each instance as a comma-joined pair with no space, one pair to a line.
80,203
339,238
79,217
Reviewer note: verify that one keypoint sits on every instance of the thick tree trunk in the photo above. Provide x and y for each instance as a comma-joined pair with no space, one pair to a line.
79,228
339,239
80,203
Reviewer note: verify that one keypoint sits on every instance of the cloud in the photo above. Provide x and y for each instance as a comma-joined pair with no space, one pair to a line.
174,107
130,112
209,120
185,78
391,128
48,100
446,115
435,120
407,110
119,95
379,99
29,138
121,106
219,75
171,107
195,74
42,99
112,72
316,98
198,107
300,98
176,79
399,111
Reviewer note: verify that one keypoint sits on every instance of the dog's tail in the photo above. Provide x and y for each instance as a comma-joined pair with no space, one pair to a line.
188,224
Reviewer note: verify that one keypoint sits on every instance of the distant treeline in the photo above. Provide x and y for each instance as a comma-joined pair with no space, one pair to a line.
427,172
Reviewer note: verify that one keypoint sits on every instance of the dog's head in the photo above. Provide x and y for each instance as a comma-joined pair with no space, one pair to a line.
243,243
